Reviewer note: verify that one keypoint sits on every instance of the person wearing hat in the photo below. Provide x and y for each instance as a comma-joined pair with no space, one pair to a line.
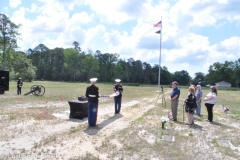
92,92
118,89
19,86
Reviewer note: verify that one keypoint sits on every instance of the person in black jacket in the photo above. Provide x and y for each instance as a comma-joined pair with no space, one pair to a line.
190,104
118,99
19,86
92,92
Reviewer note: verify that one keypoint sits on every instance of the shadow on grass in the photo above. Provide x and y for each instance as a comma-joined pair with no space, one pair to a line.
196,126
179,122
218,124
94,130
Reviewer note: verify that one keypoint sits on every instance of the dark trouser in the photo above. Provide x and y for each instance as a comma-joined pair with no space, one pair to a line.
92,114
19,90
174,106
209,110
117,102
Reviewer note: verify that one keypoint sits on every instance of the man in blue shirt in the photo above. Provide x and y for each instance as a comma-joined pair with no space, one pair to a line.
174,100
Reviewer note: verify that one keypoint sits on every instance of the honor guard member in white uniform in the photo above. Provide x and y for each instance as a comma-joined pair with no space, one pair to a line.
92,93
118,99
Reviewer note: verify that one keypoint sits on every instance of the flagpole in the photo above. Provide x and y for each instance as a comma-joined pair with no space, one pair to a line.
159,72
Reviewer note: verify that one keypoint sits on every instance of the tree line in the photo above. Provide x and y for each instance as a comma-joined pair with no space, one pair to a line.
74,65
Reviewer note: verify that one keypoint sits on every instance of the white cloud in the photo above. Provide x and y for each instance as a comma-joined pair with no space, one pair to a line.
81,18
223,1
14,3
193,42
185,64
112,38
33,8
231,44
94,36
52,27
69,4
109,11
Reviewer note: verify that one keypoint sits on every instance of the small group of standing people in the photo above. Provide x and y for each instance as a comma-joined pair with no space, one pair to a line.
193,102
92,92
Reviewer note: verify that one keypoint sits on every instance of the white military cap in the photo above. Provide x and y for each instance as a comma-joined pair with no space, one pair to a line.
117,80
93,79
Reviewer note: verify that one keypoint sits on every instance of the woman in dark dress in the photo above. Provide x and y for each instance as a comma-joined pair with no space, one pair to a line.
190,105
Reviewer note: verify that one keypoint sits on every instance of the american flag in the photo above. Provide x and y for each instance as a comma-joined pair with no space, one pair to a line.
159,24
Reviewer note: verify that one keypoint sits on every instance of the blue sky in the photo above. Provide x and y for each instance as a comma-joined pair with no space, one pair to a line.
195,34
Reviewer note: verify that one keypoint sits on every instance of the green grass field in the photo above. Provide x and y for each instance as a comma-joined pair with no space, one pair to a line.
28,126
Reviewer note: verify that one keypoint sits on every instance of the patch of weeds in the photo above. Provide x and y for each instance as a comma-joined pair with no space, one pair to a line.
35,145
87,156
104,143
161,135
23,150
135,106
75,129
149,112
130,148
235,114
140,118
54,151
190,134
48,140
12,116
215,142
224,127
